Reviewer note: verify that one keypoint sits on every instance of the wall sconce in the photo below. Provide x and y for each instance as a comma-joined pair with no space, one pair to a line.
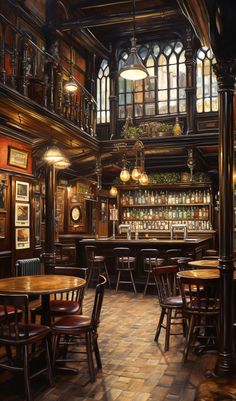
113,191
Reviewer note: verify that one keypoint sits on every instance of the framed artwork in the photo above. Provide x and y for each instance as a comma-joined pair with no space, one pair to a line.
3,196
22,191
2,227
22,212
75,214
22,238
18,157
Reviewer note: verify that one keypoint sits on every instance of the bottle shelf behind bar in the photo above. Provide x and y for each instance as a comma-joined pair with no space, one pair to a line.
157,209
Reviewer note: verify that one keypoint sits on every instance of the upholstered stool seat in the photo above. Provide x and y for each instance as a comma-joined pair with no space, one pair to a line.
96,264
150,261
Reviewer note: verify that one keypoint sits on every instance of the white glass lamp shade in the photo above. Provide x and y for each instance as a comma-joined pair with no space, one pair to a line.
124,175
136,173
63,163
113,191
144,179
53,155
71,86
133,68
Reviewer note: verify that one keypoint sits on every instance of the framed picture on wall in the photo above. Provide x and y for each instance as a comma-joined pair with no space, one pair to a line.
2,227
22,191
22,238
22,214
18,157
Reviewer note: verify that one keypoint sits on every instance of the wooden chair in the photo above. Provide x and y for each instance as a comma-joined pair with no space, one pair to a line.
172,255
150,261
126,264
201,305
95,264
19,335
182,263
73,326
169,301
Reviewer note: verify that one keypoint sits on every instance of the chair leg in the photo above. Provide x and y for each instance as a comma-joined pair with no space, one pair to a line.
89,276
132,279
160,324
55,346
118,281
147,282
26,374
107,275
49,365
168,324
96,351
189,337
88,339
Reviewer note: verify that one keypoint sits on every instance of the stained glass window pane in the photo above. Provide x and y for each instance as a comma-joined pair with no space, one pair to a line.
150,109
138,110
162,77
103,93
163,108
206,82
173,76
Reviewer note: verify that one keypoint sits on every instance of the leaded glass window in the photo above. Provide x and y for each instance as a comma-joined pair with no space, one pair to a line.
207,97
103,93
163,91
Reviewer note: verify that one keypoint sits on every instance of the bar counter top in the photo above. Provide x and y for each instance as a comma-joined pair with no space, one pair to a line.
146,241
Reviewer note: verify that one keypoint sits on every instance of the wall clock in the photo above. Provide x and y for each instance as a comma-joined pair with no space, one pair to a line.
75,214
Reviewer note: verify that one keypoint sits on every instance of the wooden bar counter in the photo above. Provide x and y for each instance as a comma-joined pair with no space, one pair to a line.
194,247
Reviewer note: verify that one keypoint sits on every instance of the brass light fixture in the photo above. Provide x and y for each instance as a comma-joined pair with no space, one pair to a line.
71,86
53,155
138,174
113,191
63,163
124,175
133,68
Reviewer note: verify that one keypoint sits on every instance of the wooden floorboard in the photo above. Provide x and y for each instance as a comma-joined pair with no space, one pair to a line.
135,368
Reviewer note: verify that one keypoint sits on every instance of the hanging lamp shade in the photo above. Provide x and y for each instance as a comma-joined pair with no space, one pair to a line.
63,163
71,86
144,179
136,173
133,68
53,155
113,191
124,175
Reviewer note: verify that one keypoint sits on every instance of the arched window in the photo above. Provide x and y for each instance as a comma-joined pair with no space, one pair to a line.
207,97
103,93
163,91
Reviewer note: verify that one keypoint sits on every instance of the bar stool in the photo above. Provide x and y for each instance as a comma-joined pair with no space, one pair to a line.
126,263
150,261
211,252
95,263
172,255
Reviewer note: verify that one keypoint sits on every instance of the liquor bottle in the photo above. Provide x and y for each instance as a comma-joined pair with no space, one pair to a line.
152,198
208,197
177,128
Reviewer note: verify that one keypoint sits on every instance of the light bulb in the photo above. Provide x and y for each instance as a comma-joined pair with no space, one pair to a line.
144,179
136,173
124,175
113,191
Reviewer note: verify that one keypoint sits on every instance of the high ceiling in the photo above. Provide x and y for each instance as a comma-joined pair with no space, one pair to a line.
112,20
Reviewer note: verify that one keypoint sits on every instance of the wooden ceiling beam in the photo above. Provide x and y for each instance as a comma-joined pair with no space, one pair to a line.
123,18
91,4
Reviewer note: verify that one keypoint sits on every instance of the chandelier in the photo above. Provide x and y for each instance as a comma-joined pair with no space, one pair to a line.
138,173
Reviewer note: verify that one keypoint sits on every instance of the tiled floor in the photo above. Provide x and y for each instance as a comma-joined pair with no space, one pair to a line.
135,368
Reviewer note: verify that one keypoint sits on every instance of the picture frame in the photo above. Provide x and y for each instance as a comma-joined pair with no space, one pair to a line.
22,191
22,238
2,227
18,157
22,214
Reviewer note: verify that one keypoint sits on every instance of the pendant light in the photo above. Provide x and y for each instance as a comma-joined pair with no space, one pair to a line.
53,155
63,163
133,68
71,86
113,191
124,175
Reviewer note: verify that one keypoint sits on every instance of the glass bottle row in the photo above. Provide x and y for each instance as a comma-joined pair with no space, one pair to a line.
166,213
198,225
154,197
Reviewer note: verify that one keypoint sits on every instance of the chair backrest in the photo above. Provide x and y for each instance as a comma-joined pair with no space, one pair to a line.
215,257
150,258
166,281
211,252
172,253
10,323
182,263
121,257
98,300
73,295
28,267
90,252
200,296
121,251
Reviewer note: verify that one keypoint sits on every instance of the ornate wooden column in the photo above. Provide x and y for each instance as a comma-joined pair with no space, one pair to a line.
190,61
226,72
50,185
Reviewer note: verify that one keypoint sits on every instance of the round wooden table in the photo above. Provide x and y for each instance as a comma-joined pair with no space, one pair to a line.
200,273
204,263
43,285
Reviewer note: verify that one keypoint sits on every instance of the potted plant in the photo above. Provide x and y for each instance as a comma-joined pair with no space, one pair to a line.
132,132
165,129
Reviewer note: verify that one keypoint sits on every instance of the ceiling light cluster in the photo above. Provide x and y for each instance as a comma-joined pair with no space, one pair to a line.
54,155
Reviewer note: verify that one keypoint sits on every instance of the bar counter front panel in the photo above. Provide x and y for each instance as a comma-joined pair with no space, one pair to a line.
194,248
